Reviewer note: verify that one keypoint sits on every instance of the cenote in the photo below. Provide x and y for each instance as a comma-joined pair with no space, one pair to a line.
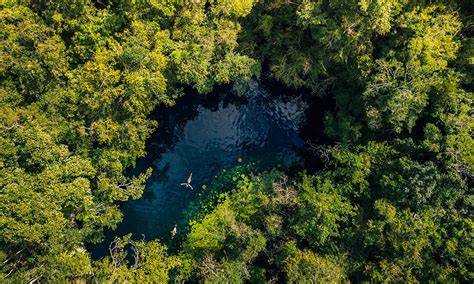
203,135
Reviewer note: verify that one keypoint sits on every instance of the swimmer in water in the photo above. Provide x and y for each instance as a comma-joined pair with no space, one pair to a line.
174,231
188,182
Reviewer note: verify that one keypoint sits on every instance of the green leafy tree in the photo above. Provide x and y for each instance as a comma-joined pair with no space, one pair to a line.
151,262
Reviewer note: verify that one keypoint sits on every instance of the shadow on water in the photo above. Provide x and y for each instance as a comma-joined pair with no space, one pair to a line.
203,134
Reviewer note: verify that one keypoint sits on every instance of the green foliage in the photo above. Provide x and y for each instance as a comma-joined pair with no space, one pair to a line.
32,54
386,63
379,215
151,263
307,267
393,203
409,239
226,236
401,89
203,52
321,212
77,83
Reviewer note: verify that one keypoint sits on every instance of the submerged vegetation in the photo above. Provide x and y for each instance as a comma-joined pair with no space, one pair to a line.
392,200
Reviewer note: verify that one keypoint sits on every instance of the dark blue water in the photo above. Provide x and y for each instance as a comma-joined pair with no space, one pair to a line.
203,135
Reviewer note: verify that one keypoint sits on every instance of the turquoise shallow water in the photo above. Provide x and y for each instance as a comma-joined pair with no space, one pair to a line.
203,135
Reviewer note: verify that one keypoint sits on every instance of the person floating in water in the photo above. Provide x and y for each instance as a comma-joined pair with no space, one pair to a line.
188,182
174,231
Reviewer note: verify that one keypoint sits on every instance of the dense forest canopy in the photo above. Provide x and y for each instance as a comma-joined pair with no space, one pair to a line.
392,201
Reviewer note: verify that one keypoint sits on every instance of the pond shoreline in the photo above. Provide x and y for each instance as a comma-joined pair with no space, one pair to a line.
189,109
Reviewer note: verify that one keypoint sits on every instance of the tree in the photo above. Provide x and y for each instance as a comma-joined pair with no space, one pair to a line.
308,267
151,262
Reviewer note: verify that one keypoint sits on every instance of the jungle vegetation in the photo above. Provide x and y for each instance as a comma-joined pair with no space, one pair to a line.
392,201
